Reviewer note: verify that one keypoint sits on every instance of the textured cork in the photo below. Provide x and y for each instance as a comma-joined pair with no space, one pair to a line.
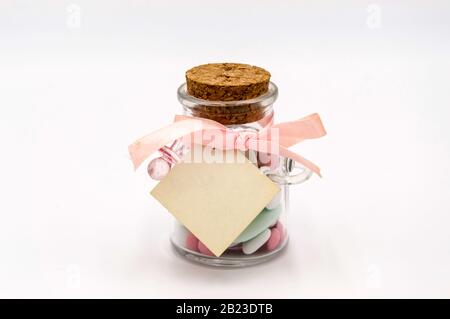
227,81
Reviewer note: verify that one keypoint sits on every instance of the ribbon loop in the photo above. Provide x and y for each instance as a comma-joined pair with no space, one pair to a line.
242,141
288,134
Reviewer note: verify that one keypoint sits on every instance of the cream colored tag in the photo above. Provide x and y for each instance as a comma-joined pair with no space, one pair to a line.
216,199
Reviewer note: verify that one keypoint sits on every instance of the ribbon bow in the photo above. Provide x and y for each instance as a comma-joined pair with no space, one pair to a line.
288,134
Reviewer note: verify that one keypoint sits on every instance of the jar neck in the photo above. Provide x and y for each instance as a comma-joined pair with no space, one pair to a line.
257,125
255,113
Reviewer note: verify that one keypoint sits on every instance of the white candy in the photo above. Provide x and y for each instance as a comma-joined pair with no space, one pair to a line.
259,224
275,202
179,234
249,247
264,169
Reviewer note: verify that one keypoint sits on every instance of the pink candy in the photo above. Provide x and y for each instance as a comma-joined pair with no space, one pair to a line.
191,242
276,236
274,240
203,249
280,228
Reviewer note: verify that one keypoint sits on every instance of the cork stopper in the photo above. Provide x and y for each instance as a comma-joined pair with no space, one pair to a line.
227,81
225,89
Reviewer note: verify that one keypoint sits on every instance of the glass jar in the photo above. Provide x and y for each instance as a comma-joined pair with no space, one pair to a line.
267,235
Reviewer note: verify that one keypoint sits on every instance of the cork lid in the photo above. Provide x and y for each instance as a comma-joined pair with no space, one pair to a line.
227,81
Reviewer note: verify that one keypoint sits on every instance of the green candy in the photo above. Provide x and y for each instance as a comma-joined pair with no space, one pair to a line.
264,219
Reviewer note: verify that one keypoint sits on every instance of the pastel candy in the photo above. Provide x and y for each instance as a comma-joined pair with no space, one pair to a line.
249,247
275,202
203,249
274,240
264,169
259,224
179,233
191,242
237,247
273,224
280,228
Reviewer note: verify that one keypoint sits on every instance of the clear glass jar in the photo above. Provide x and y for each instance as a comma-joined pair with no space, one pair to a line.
267,235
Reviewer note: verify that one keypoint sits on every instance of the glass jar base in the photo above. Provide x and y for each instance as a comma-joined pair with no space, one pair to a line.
229,261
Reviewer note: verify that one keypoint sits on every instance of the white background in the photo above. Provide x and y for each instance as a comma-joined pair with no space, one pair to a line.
76,221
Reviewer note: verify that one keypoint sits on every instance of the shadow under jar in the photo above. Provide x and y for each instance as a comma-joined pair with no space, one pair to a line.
267,235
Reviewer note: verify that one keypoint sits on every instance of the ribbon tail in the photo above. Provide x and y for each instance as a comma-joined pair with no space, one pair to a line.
291,133
206,122
145,146
298,158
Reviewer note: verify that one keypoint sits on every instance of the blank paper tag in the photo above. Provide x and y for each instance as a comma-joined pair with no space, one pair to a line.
215,199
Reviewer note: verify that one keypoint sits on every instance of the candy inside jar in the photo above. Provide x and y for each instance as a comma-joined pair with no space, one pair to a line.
263,238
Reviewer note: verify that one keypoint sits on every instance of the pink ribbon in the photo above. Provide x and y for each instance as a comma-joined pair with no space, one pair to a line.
289,134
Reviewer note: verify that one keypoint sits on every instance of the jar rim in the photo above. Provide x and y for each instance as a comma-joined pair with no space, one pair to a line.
267,98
